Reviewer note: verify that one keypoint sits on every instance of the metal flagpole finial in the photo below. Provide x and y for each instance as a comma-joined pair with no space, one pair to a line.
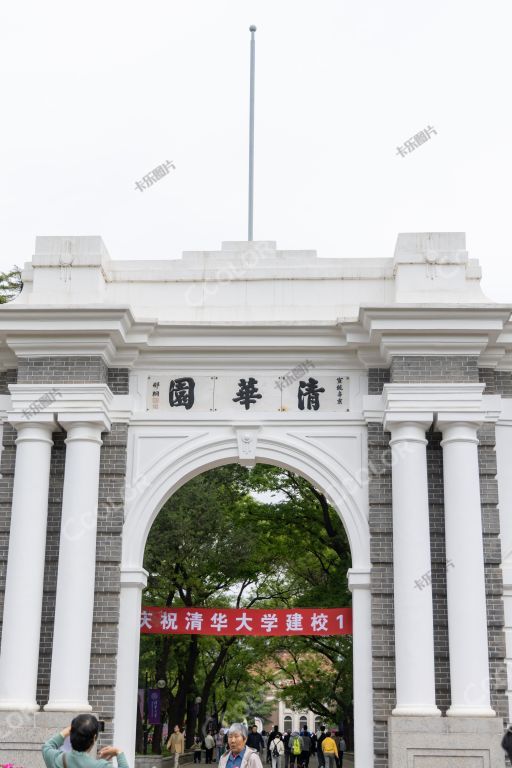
252,30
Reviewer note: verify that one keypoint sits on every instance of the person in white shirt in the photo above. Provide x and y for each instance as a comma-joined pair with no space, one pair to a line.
276,749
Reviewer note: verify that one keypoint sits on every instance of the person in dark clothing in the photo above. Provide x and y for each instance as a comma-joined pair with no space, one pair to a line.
319,750
306,746
286,742
312,749
255,740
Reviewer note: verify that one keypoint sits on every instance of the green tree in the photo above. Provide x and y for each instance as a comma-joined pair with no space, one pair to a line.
10,285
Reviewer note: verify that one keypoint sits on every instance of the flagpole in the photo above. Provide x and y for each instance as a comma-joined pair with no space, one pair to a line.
252,30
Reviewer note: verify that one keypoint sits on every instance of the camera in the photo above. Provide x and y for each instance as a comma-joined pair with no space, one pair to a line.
101,726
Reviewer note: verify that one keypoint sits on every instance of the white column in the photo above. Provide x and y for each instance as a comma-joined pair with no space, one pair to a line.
72,634
19,653
467,612
414,625
133,581
359,585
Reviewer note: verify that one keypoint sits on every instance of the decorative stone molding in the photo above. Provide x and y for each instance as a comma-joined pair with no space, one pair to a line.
247,441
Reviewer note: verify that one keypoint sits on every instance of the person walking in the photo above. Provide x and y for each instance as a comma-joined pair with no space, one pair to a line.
295,749
330,750
176,744
239,755
196,746
209,744
342,747
306,746
319,750
286,742
83,734
276,749
255,740
312,749
219,743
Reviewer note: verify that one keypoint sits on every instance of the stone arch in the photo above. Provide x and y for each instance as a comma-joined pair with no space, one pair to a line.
171,472
194,456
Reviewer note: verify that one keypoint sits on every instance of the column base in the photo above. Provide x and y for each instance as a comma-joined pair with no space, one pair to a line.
18,706
449,742
470,712
67,706
416,712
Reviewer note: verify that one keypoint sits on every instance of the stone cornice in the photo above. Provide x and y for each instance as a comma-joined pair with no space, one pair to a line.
379,334
432,402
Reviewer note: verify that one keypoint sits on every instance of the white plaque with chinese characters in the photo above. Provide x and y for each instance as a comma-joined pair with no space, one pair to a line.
248,392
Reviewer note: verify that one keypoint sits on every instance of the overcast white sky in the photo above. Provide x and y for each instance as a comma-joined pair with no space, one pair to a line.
96,93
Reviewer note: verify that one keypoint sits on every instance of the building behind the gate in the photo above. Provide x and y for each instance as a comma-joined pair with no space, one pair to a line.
387,382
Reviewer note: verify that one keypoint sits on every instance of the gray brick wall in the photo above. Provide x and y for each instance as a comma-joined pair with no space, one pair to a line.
377,377
108,560
7,377
496,382
51,562
65,370
435,368
117,380
381,552
439,566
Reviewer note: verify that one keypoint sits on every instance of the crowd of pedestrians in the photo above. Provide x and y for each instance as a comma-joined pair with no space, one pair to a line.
234,747
276,749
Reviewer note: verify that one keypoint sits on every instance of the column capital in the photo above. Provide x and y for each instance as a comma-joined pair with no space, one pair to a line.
359,578
459,427
29,427
134,577
84,422
405,425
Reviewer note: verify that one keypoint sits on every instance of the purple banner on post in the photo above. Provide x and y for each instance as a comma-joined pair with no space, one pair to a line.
154,715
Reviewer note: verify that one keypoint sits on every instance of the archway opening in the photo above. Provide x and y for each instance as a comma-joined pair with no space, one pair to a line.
242,537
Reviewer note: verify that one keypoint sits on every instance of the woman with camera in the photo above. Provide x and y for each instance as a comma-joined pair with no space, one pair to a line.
83,734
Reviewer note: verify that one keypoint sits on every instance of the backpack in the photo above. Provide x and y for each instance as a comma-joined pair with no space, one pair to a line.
343,745
296,749
275,751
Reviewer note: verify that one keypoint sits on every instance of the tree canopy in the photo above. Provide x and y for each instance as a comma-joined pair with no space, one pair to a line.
10,285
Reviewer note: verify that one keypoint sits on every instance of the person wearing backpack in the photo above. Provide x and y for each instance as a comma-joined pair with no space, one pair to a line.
276,749
295,745
196,746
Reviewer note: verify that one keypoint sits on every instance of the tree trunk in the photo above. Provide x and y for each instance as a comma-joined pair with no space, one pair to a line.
139,732
210,680
191,720
179,705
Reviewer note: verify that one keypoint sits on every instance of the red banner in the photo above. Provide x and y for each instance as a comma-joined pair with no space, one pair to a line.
248,621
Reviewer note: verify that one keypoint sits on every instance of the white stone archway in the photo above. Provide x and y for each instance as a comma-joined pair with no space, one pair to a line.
175,456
